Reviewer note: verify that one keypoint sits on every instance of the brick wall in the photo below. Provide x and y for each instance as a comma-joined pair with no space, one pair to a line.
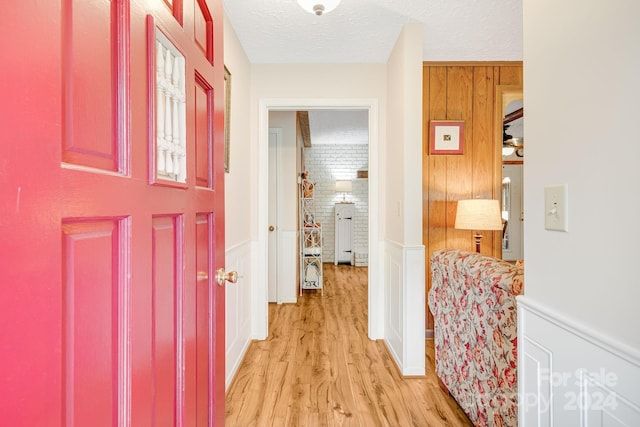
326,164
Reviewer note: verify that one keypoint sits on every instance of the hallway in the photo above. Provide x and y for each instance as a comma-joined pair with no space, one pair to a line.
319,368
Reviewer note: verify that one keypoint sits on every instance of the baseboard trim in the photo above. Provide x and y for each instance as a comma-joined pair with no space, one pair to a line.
395,363
244,356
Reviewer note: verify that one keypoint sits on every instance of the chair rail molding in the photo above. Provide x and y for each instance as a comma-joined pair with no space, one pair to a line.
571,375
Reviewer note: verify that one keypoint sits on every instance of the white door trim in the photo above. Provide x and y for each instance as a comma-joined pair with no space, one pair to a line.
260,297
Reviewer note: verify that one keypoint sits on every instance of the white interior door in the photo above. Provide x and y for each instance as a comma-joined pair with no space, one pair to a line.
513,243
344,233
275,136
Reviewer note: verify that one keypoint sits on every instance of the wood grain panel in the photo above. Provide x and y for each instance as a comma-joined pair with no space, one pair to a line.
91,339
436,105
483,149
511,75
461,91
459,168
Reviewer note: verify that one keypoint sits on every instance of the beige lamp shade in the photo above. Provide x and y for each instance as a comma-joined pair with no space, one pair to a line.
478,214
343,186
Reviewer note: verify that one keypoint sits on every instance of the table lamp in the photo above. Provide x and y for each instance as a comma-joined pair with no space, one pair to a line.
344,187
477,215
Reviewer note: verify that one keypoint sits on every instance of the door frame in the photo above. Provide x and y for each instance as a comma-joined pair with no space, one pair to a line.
259,303
515,217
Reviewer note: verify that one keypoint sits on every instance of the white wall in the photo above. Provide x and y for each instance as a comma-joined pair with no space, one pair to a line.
330,86
404,253
239,225
322,82
403,154
333,86
581,98
240,249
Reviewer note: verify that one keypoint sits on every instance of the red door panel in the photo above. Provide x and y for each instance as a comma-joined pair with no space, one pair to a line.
30,301
203,29
203,325
166,295
109,311
91,313
203,95
90,64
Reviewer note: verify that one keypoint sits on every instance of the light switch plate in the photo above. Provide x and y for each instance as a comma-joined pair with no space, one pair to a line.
555,207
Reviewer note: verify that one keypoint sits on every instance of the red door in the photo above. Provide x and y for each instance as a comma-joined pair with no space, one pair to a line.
112,213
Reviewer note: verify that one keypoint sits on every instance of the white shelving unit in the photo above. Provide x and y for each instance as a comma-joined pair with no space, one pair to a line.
310,240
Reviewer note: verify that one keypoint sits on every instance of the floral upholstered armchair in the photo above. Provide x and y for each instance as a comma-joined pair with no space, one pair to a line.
473,302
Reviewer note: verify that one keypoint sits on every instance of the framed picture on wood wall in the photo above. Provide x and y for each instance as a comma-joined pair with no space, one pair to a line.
446,137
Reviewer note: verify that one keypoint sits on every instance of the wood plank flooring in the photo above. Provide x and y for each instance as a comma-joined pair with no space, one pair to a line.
319,368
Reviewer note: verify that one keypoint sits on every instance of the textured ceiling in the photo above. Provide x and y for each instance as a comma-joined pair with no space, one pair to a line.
365,31
339,126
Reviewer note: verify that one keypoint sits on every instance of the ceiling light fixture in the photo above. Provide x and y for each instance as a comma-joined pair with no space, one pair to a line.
318,7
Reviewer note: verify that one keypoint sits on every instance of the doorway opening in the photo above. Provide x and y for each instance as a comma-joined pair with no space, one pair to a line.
511,193
333,157
260,295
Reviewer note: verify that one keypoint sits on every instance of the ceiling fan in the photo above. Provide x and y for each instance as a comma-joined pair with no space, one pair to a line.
509,143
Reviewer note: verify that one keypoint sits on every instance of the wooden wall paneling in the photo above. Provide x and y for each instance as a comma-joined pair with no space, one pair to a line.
497,152
425,163
483,148
437,181
461,91
436,108
459,167
425,209
437,93
511,75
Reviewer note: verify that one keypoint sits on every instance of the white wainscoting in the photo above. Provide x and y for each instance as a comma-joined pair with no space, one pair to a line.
569,375
288,259
238,307
405,307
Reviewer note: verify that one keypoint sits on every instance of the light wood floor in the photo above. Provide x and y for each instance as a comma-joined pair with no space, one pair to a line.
319,368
